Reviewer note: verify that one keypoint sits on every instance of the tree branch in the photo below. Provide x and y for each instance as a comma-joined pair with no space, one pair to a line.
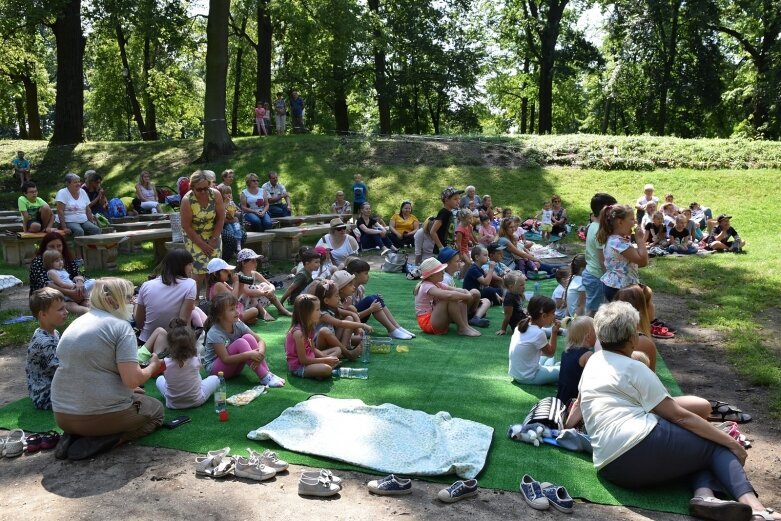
756,56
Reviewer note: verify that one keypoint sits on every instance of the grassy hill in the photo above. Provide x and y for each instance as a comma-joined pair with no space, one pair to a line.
728,292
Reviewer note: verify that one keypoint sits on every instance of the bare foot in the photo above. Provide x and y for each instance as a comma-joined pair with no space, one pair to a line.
469,332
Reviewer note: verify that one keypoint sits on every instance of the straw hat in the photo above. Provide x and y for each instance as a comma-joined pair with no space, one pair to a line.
342,278
430,267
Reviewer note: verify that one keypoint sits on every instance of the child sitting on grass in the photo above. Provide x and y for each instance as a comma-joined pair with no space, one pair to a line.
478,306
230,344
372,305
311,263
303,359
48,307
60,279
560,293
254,290
581,338
486,233
181,384
224,280
514,300
345,285
437,305
495,255
719,238
529,342
656,231
333,336
576,291
477,278
681,238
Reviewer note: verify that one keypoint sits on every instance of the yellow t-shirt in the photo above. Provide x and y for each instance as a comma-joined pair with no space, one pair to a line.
404,225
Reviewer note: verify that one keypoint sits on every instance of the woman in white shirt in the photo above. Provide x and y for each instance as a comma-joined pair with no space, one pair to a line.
73,208
642,437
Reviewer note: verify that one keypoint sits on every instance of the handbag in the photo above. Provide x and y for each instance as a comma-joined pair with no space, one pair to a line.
395,262
548,412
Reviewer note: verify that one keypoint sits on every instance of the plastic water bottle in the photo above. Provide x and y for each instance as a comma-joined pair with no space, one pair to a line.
221,395
536,288
365,353
361,373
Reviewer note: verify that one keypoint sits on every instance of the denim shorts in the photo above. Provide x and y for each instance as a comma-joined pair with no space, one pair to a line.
299,372
595,293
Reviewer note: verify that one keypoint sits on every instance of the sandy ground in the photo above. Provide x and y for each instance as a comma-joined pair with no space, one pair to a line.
150,483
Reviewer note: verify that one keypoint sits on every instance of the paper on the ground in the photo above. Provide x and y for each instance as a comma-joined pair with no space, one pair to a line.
386,438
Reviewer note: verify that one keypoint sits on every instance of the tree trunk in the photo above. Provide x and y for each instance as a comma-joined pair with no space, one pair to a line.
130,90
524,99
21,121
31,101
263,78
237,83
149,102
532,118
341,112
669,62
380,82
606,116
216,141
69,101
549,35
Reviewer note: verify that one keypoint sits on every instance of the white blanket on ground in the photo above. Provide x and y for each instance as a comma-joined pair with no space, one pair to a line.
385,437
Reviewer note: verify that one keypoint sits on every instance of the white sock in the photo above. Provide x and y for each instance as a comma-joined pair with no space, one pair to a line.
399,334
410,333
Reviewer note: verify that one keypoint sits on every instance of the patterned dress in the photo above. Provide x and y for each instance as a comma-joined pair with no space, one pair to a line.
203,223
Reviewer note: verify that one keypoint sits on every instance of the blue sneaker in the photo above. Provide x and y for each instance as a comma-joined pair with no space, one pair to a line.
558,497
390,486
532,493
458,491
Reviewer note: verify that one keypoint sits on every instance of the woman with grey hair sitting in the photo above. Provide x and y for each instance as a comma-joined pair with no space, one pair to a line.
73,208
642,437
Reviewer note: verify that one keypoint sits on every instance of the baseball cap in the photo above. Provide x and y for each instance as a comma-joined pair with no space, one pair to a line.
449,192
246,254
723,216
495,246
445,254
321,250
218,264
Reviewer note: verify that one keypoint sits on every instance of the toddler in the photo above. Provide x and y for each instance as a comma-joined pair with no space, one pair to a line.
581,338
232,215
514,301
230,344
546,221
48,307
529,342
59,278
181,384
303,359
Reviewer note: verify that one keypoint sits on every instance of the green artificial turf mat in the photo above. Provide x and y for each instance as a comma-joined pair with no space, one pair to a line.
464,376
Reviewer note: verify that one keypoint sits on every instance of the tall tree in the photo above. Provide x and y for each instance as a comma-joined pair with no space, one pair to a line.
380,73
69,104
216,140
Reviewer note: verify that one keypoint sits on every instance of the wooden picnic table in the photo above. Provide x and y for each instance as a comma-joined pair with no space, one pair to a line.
100,251
295,220
287,240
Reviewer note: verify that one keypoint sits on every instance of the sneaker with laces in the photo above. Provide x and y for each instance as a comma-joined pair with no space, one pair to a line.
269,459
390,486
458,491
558,497
252,469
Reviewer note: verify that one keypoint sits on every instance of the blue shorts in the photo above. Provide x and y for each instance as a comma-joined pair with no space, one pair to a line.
299,372
595,293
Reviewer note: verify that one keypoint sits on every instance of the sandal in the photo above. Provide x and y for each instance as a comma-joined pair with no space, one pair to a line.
33,443
661,332
49,440
727,412
763,515
14,444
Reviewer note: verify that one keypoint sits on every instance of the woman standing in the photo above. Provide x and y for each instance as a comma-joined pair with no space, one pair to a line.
254,205
643,438
203,216
339,242
73,208
146,194
95,395
403,226
559,216
39,278
373,232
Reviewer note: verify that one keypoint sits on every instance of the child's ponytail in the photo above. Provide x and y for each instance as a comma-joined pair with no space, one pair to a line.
538,305
607,219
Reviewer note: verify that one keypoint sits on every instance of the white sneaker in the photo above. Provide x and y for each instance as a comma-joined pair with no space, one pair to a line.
317,487
399,334
269,459
272,380
253,469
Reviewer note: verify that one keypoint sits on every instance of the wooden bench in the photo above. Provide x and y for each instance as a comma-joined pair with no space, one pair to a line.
262,238
7,213
129,247
139,218
295,220
16,218
18,251
286,240
100,251
10,227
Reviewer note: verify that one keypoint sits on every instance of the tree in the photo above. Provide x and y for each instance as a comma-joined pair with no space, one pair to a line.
69,103
216,141
380,73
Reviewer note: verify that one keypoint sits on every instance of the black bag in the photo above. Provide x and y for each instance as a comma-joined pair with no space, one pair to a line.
548,412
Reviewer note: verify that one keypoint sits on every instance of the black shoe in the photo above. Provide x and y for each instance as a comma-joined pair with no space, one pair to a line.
87,447
479,322
718,510
61,452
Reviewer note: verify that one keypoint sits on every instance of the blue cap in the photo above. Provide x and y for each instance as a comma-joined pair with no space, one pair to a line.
445,254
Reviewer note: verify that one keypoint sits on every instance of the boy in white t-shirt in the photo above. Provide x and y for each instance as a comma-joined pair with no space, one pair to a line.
546,221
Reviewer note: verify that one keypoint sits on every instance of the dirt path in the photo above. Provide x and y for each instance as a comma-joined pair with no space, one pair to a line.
147,483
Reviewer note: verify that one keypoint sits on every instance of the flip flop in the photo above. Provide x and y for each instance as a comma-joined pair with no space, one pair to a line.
727,412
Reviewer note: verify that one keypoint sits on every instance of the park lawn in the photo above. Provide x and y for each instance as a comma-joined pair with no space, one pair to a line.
725,291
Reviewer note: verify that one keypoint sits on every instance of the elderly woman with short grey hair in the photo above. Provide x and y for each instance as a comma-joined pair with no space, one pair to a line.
470,194
642,437
73,208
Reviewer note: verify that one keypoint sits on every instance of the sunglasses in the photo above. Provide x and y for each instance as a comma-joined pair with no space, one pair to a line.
341,229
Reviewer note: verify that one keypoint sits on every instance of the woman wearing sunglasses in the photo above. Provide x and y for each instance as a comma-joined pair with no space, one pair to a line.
203,216
339,241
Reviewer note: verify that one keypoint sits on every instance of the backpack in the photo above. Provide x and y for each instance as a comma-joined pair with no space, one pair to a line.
183,185
116,208
548,412
395,263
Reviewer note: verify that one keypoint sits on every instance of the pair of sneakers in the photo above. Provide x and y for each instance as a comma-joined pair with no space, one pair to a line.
542,496
319,483
260,466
